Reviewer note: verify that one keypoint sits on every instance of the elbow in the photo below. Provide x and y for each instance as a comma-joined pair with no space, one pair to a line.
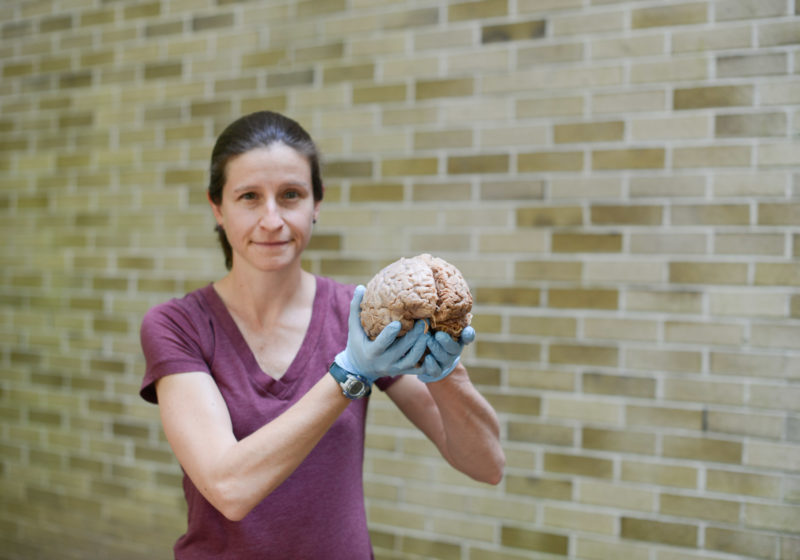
495,475
233,505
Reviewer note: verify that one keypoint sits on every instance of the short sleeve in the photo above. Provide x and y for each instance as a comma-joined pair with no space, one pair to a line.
172,343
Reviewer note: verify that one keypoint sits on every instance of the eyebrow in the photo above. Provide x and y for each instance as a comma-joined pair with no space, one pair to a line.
248,186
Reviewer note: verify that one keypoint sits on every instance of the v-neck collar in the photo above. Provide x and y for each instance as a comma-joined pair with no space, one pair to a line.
296,372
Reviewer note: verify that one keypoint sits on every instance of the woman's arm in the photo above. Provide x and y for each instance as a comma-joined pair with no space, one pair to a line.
234,476
457,419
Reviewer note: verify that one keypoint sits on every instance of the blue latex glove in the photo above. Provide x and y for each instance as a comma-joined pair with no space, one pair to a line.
387,355
445,354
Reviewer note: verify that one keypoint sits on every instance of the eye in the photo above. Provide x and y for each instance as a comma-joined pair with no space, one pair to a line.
248,195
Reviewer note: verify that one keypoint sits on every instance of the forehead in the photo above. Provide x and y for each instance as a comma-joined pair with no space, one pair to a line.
275,159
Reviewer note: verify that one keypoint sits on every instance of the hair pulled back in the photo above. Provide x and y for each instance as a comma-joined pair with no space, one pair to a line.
258,130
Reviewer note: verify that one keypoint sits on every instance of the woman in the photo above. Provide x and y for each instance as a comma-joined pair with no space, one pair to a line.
261,376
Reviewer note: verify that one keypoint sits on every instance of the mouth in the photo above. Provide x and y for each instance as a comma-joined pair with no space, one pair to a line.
270,244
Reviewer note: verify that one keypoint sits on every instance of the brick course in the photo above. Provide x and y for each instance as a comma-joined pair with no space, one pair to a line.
618,181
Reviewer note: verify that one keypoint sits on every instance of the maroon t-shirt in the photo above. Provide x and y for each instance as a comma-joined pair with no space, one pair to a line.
318,512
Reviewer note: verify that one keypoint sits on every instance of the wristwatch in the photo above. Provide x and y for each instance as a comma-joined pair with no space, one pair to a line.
353,385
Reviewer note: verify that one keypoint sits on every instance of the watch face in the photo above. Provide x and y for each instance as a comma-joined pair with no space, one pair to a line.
355,388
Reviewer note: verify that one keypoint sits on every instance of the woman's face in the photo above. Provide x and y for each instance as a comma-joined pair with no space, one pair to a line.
267,207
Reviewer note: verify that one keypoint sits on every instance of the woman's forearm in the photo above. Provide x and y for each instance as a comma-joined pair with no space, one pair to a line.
470,428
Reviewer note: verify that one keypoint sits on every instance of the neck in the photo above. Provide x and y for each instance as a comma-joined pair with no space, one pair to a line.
259,298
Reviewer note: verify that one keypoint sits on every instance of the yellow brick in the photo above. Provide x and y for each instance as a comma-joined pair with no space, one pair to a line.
722,511
583,410
578,465
460,138
513,351
432,89
671,186
668,243
516,136
521,30
603,550
751,65
620,329
548,270
542,325
586,243
713,96
575,519
776,336
562,52
749,484
410,166
537,379
589,132
659,474
539,487
707,273
727,10
478,164
703,449
626,102
618,441
587,23
550,216
541,433
550,161
549,106
655,416
473,61
668,360
673,127
782,214
757,425
677,534
740,542
530,242
748,304
711,39
647,45
583,299
767,455
634,158
777,274
772,517
671,71
703,333
616,495
749,244
680,14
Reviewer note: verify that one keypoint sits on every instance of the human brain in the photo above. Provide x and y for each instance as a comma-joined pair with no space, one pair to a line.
421,287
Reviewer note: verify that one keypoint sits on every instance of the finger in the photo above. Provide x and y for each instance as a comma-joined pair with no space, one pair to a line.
354,319
411,337
411,358
430,368
467,336
385,339
447,343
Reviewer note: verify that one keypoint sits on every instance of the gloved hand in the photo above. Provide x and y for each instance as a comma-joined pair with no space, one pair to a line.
445,354
387,355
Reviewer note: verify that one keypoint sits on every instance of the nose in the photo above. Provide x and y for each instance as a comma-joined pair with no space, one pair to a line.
271,218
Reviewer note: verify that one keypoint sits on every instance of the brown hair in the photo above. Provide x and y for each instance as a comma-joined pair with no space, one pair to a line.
258,130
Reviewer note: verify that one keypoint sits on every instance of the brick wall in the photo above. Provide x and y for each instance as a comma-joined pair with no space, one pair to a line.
618,181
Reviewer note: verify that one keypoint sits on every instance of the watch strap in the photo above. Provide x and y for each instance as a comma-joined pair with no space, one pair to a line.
341,375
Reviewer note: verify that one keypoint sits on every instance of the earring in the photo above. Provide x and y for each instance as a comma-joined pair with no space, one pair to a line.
314,221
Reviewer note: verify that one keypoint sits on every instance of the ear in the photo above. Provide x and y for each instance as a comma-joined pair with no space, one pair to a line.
317,205
216,209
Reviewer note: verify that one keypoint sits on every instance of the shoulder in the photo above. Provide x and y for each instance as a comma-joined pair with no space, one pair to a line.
189,314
